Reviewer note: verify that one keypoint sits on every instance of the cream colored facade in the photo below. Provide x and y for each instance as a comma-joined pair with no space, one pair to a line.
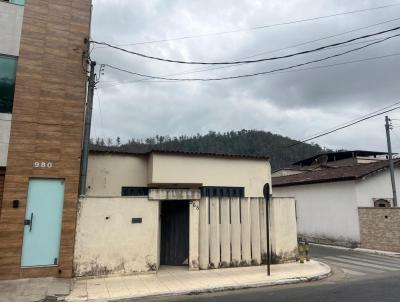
222,231
107,173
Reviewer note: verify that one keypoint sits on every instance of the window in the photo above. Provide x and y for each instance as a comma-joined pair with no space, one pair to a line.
8,70
134,191
222,191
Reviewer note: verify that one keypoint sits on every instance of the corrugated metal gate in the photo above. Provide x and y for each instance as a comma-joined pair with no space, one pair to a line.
174,233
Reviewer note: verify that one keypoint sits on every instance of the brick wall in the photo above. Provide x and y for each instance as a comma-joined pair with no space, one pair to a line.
380,228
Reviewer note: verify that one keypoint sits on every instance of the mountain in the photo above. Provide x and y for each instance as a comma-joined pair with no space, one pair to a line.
247,142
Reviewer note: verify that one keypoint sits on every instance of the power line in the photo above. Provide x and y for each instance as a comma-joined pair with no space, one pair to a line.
100,111
275,50
252,74
328,48
262,26
293,46
247,61
340,128
279,72
200,70
355,119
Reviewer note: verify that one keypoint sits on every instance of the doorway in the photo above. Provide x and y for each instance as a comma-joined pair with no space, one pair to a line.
174,233
42,225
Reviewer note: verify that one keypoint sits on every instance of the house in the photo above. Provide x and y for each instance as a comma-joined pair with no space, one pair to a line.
193,209
330,198
331,159
42,103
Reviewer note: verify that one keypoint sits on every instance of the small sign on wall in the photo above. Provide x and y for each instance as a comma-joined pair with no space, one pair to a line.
136,220
43,165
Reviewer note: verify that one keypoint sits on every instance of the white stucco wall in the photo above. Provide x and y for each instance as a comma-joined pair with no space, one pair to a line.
108,173
5,127
283,229
210,171
377,185
108,243
11,17
327,211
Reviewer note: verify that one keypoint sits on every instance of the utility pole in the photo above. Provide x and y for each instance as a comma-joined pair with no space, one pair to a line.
389,144
86,133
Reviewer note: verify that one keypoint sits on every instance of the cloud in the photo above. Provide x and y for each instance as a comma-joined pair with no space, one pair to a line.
294,104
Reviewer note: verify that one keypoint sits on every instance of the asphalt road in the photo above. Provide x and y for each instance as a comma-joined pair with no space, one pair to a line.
357,277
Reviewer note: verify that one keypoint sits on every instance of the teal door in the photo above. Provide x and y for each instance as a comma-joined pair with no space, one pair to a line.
43,217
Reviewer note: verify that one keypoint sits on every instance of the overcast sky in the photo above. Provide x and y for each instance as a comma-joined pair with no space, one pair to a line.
295,104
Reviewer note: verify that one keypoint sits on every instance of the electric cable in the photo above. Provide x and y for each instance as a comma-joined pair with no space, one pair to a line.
247,61
355,119
252,74
272,51
261,26
279,72
334,130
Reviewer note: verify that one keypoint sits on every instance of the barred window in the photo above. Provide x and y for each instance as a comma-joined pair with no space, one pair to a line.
222,191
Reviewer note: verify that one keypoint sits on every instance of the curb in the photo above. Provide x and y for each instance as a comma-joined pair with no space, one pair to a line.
325,274
360,250
377,252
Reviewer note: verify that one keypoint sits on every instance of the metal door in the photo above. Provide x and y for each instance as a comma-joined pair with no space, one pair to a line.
174,233
43,217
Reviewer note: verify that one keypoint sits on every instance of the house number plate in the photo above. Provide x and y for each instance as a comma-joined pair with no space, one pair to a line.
42,164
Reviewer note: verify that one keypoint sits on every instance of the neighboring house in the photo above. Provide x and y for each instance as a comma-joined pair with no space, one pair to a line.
328,199
331,159
42,103
200,210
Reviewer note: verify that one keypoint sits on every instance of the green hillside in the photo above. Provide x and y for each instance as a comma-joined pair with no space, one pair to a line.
248,142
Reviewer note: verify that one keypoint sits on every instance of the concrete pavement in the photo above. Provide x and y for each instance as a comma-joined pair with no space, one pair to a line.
172,281
33,290
354,262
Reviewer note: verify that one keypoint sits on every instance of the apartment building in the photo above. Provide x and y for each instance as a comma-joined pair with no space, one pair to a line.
42,99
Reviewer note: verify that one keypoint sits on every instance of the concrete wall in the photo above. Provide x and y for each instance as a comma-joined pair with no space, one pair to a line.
5,127
108,243
326,212
380,228
210,171
377,185
11,17
284,229
108,173
223,232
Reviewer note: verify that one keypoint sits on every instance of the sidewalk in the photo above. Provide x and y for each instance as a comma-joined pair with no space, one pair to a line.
169,281
36,289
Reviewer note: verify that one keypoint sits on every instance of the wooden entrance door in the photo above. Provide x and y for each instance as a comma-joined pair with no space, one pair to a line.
174,233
